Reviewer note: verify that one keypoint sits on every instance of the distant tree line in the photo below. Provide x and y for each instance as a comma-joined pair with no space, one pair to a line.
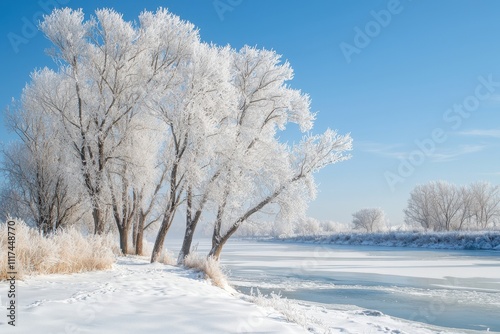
441,206
435,206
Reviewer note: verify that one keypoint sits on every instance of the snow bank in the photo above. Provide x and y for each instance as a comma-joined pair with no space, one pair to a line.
435,240
138,297
135,297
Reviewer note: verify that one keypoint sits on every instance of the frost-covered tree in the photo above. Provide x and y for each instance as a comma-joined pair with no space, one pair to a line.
261,172
435,205
448,203
464,216
150,205
35,168
420,209
152,120
171,42
108,70
189,117
12,205
132,178
485,204
369,219
193,119
69,93
209,96
441,206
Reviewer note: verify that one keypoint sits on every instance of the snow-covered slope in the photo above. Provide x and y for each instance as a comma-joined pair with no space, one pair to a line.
138,297
133,297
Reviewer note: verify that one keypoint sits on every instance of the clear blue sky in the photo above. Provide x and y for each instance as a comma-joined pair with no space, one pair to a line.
398,81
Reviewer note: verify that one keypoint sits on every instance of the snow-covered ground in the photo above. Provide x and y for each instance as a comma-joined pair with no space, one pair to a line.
138,297
133,297
433,240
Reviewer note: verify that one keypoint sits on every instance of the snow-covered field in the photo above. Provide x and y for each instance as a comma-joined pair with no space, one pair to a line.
133,297
138,297
433,240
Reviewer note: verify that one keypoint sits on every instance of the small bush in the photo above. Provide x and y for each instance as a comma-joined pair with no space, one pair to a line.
167,257
210,267
289,309
147,248
64,252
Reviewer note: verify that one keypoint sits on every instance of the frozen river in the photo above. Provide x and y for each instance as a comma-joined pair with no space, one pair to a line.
458,289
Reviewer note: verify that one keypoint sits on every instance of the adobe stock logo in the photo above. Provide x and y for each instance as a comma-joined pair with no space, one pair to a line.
453,118
223,6
363,37
29,28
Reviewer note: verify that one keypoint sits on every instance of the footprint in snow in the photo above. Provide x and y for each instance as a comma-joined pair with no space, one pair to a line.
36,303
370,313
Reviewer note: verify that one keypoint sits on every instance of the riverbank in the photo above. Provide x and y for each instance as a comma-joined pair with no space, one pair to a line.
138,297
432,240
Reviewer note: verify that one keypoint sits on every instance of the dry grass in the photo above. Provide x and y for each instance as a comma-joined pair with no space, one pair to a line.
147,248
63,253
167,257
210,267
290,311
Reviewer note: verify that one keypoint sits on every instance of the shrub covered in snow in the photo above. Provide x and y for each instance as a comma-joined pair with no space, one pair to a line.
290,310
210,267
67,251
167,257
436,240
307,226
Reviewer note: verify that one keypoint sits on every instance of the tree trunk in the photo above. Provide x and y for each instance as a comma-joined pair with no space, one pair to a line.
98,224
217,249
123,232
140,235
139,244
186,244
134,234
160,238
191,222
44,227
218,240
